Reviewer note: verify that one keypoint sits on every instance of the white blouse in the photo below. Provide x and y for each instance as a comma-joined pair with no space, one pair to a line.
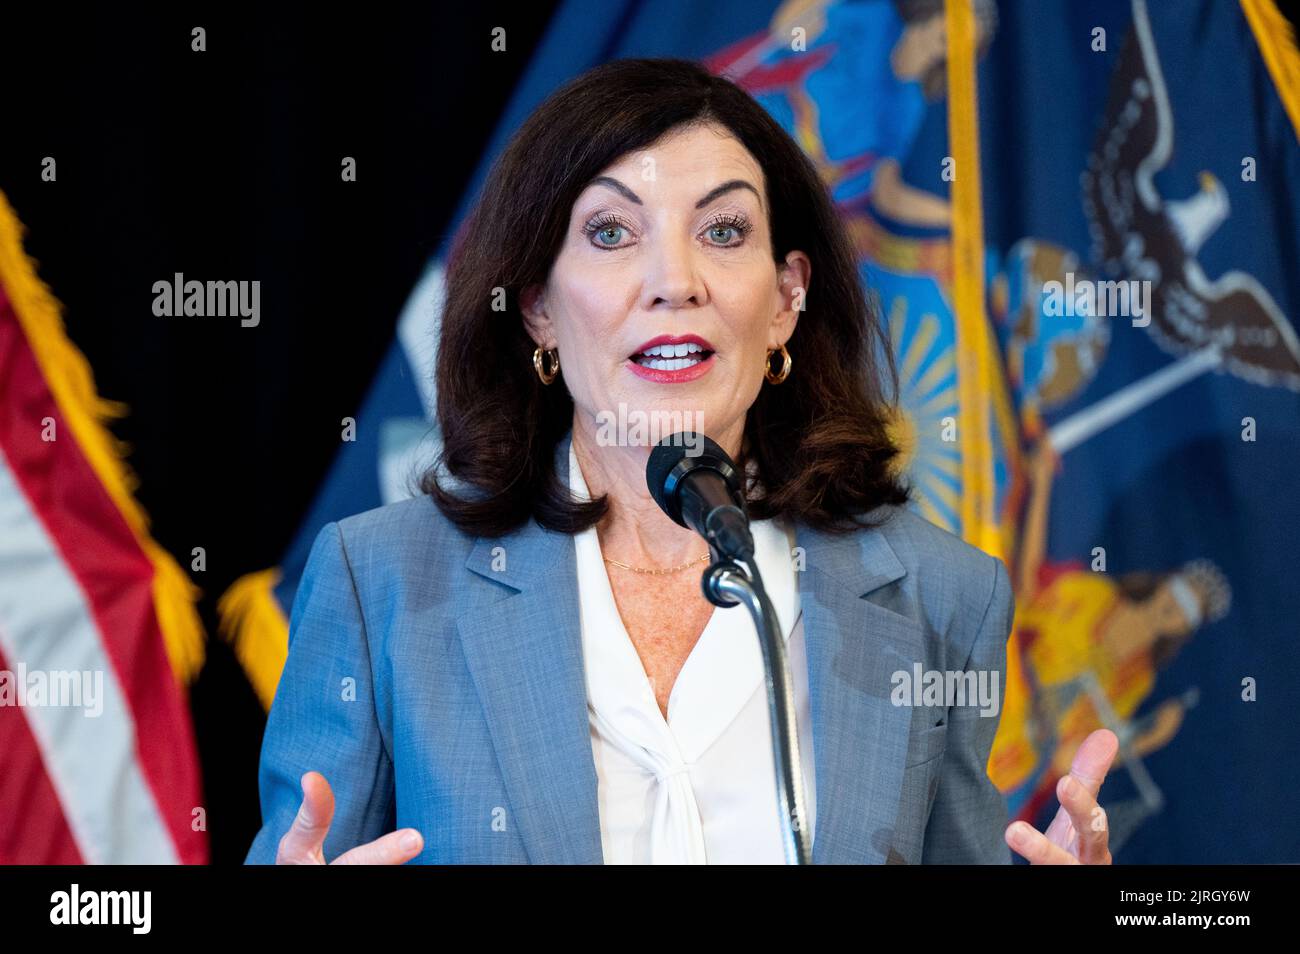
699,787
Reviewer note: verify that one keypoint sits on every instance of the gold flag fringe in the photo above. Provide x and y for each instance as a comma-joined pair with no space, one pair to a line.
1277,44
976,364
252,621
72,384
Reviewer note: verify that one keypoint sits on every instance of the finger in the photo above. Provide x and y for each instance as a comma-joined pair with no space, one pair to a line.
395,848
1093,759
1034,846
1089,820
302,843
1061,829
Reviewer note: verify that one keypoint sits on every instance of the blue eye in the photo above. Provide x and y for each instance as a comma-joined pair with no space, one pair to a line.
605,231
608,232
728,231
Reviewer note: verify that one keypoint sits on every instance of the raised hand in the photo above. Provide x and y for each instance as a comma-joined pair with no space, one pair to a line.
303,843
1079,834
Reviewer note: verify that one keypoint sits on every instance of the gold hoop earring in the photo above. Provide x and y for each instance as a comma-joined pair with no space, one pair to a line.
539,363
786,363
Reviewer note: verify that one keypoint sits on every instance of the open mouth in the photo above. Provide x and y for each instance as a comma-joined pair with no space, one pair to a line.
672,357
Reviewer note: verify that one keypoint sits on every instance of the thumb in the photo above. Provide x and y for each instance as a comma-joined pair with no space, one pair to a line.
302,844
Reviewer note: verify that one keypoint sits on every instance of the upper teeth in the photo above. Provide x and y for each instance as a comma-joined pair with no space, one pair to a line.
672,351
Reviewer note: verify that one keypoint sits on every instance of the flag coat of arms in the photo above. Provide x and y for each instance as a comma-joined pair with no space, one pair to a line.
1078,225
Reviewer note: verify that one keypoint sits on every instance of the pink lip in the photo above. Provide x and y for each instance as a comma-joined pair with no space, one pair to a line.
674,340
673,377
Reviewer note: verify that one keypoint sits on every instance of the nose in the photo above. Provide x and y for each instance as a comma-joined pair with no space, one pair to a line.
673,279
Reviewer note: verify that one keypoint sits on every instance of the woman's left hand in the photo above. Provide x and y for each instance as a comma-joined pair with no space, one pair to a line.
1078,835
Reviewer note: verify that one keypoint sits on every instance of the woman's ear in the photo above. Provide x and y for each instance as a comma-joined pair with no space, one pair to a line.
532,304
792,283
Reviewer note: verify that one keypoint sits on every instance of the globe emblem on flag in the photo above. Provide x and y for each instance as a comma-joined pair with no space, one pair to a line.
1050,358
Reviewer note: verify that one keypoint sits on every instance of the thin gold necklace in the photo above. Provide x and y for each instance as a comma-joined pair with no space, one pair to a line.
675,569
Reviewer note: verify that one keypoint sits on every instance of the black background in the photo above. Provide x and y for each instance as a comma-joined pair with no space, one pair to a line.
225,165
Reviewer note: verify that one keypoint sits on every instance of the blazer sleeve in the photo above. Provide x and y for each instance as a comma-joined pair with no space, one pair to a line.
969,816
323,715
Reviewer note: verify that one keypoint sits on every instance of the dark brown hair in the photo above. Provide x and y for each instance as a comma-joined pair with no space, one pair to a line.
819,440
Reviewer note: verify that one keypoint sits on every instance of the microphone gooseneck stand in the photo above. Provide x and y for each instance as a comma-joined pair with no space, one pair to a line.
702,491
726,583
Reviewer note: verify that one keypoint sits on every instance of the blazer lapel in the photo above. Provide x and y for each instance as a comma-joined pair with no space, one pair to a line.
523,646
522,642
853,647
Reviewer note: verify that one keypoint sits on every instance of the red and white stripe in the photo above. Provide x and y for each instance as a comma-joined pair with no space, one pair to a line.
76,594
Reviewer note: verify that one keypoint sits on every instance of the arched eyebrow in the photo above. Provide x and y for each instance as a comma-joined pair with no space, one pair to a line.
728,186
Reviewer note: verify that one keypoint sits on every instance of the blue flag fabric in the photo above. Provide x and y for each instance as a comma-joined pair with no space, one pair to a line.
1141,411
1146,146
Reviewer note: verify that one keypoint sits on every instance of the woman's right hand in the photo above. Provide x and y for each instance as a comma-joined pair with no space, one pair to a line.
303,843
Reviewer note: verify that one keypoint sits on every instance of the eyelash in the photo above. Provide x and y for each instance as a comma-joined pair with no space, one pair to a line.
607,220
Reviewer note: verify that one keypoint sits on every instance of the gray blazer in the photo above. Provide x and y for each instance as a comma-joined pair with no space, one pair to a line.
436,681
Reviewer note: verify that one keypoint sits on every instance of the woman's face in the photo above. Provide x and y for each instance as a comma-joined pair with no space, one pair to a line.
664,299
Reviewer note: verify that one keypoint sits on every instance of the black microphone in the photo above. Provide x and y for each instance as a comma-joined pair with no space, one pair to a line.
702,491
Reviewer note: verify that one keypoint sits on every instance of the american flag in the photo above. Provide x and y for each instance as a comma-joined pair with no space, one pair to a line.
98,631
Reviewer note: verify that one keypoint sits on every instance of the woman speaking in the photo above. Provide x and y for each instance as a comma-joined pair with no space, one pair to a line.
519,665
